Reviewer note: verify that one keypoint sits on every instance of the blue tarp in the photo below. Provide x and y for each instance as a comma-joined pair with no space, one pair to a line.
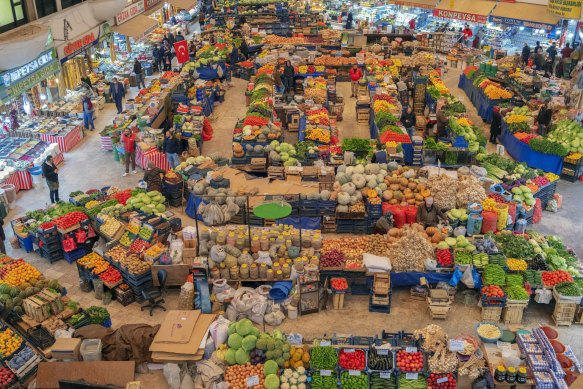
210,73
412,278
280,291
522,152
484,105
190,206
308,223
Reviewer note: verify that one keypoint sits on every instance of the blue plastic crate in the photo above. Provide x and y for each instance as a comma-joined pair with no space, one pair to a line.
53,256
362,340
26,243
359,289
74,255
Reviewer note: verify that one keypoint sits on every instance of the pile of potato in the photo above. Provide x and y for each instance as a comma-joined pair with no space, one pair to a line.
404,191
117,254
134,264
431,234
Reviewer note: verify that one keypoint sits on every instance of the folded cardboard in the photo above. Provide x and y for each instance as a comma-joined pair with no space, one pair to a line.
177,327
191,347
116,373
66,348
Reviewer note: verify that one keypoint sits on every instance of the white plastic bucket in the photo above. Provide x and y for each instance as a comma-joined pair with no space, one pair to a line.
37,176
292,312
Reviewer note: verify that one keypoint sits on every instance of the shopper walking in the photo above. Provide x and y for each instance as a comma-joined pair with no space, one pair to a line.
566,52
244,49
277,80
525,54
538,46
552,54
288,77
412,24
179,37
51,174
171,147
139,75
234,55
544,117
129,146
117,91
167,60
496,126
408,120
441,123
2,237
349,19
157,56
355,75
153,177
88,113
539,59
403,91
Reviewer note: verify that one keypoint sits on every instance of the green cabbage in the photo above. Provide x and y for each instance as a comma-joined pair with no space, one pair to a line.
244,327
270,367
271,381
235,341
248,342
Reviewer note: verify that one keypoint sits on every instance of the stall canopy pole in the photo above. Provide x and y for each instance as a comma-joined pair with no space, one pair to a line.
128,45
112,49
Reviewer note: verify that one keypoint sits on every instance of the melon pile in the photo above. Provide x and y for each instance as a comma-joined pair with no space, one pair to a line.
13,297
149,203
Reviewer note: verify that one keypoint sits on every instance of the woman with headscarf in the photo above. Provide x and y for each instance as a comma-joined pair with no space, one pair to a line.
349,22
496,126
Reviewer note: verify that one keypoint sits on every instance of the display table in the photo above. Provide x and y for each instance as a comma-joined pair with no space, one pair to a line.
66,142
522,152
484,105
374,134
20,179
159,159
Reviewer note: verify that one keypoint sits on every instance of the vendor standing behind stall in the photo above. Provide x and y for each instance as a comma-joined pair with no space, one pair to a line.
288,77
496,126
408,119
153,177
544,117
441,123
428,215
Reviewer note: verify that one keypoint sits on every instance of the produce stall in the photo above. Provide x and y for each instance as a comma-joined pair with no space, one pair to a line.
66,142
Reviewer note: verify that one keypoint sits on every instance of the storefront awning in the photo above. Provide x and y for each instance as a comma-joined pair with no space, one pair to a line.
523,14
183,4
470,11
427,4
137,27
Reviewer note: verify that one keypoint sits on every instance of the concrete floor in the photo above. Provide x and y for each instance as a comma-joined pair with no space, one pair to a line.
87,166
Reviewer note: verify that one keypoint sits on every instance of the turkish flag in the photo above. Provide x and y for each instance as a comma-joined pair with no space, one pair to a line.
181,49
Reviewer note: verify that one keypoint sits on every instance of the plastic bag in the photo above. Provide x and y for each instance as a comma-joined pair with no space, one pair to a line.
245,258
213,215
274,318
456,276
264,258
467,278
559,199
430,264
187,382
552,206
165,259
538,212
172,375
219,330
543,296
218,254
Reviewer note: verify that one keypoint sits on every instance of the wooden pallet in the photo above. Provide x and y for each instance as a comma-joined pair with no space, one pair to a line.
418,296
562,321
276,172
491,314
381,283
329,224
438,312
439,297
325,186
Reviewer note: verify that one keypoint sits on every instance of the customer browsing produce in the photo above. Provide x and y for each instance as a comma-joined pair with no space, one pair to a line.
171,147
153,177
129,146
50,173
355,75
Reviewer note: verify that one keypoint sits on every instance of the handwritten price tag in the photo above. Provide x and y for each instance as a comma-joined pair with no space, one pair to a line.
325,343
383,351
385,374
411,349
349,350
412,376
354,372
442,380
456,345
252,381
325,373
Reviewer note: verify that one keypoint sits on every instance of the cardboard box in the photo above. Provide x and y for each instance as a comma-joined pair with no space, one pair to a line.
115,373
66,348
169,326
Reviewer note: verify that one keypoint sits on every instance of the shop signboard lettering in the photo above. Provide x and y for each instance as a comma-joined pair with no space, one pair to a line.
463,16
148,4
6,93
79,44
14,75
129,12
566,9
71,48
518,22
412,4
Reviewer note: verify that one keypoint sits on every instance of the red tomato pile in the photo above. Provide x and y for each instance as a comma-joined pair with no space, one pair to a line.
352,360
497,197
6,377
339,283
410,362
122,197
552,278
493,291
47,226
138,246
110,276
389,136
444,257
69,220
384,97
246,64
441,381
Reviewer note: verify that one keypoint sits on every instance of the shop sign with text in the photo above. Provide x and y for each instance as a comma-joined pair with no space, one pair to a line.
130,12
148,4
566,9
463,16
18,80
518,22
409,4
76,45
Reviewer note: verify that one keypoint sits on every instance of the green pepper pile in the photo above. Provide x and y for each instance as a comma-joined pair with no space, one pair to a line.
376,382
494,275
516,292
354,381
463,257
514,279
569,289
323,382
419,383
323,358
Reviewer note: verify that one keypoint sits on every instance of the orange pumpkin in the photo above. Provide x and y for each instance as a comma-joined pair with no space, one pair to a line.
425,193
372,193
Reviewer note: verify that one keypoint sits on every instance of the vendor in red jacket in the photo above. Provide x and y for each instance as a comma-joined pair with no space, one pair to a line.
355,75
129,146
467,34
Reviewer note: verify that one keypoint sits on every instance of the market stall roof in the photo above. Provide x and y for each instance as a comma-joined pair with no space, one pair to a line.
470,11
137,27
183,4
427,4
523,14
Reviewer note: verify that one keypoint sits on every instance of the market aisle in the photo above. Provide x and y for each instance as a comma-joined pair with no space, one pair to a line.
349,127
224,118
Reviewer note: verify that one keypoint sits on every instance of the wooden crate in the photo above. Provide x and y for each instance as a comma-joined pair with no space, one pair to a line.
362,118
438,311
439,297
329,224
418,296
269,222
326,186
564,313
277,172
512,313
338,300
491,314
381,283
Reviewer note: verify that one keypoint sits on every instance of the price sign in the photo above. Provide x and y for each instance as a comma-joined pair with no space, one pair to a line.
442,380
411,349
325,373
456,345
411,376
354,372
500,344
385,374
252,381
325,343
383,351
349,350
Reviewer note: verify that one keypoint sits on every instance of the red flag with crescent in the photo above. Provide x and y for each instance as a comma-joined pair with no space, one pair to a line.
181,49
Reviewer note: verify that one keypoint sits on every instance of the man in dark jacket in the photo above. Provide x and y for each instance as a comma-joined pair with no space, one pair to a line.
117,91
171,147
408,120
544,117
2,237
157,55
244,49
50,173
153,177
496,126
288,77
442,122
139,75
428,215
179,37
525,53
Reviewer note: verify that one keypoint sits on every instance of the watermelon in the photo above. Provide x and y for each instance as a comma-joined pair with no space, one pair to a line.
15,291
4,288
